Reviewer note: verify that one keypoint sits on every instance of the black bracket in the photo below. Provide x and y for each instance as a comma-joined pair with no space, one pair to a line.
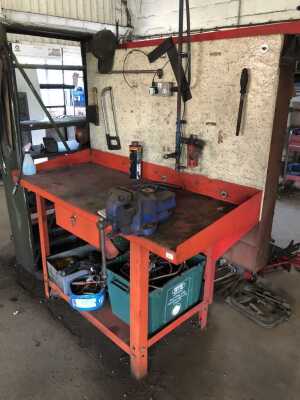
168,46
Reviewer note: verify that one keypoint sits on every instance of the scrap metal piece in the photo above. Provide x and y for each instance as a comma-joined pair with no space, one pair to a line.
259,304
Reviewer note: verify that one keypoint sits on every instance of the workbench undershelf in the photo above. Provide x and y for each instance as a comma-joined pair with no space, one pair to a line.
104,320
118,331
210,217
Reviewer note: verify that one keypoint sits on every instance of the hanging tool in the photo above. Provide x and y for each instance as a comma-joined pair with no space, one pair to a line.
183,90
103,45
194,150
243,91
92,110
113,141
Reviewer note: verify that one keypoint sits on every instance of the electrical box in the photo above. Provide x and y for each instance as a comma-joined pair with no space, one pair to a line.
164,89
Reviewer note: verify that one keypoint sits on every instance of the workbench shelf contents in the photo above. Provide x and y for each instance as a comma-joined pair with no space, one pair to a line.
209,218
172,290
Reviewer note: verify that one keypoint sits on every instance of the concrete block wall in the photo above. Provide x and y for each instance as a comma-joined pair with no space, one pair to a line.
212,113
153,17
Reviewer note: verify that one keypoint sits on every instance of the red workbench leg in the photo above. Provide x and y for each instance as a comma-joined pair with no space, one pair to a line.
139,285
210,270
44,239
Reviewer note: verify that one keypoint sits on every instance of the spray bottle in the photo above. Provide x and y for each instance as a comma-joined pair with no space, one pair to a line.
28,167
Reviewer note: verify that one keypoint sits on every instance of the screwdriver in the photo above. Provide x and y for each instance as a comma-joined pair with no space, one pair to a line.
243,91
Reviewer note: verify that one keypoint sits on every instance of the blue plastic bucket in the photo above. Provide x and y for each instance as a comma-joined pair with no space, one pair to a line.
87,302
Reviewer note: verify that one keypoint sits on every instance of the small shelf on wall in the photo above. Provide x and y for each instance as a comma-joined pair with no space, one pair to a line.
64,122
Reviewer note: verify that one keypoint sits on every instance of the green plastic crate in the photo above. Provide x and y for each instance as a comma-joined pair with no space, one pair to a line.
166,303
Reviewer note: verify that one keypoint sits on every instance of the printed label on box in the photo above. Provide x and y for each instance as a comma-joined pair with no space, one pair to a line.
177,299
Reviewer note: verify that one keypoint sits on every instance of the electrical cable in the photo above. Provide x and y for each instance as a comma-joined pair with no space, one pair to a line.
156,72
145,54
124,63
156,278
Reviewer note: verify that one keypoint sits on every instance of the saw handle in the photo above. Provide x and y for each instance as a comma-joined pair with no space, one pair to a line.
244,81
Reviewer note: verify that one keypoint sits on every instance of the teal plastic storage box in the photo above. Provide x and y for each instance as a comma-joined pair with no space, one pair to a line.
165,303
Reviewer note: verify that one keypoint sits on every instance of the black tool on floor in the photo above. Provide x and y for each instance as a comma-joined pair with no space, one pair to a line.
109,114
244,85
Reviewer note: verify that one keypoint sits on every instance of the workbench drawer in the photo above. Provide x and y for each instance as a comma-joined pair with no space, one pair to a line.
78,224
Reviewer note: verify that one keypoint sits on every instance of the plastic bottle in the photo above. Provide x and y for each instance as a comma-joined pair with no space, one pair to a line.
28,167
73,145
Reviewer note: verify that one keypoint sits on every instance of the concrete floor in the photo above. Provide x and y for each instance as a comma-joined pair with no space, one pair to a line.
48,352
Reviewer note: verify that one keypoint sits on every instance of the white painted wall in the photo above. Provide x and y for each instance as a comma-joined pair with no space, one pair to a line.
155,17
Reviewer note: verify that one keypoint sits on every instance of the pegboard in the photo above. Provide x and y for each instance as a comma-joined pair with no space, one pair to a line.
211,114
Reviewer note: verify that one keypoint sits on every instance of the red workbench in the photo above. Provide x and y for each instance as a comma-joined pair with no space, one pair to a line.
210,217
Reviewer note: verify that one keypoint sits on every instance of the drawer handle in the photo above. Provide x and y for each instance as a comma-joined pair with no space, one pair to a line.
73,219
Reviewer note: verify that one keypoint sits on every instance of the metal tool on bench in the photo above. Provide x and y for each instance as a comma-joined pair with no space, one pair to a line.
135,158
244,85
138,210
113,140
